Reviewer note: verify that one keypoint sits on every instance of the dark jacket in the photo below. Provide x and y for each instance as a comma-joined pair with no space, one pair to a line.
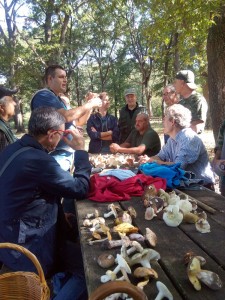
6,135
95,120
30,192
127,122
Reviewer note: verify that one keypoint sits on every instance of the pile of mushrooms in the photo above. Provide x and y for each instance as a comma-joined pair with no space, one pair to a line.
173,209
132,254
112,160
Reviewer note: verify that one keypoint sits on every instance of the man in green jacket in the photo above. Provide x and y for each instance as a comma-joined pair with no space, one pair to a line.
128,114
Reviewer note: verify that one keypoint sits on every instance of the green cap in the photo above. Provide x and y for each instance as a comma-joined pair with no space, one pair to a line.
130,91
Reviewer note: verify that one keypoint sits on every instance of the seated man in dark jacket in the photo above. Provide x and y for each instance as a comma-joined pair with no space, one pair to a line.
142,140
31,187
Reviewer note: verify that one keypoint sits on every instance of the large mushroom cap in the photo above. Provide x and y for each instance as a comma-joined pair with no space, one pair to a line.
145,272
106,260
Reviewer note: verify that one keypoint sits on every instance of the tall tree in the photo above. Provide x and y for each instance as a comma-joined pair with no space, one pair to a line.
11,45
216,70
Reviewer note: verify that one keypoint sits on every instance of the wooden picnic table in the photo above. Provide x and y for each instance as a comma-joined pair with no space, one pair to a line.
173,243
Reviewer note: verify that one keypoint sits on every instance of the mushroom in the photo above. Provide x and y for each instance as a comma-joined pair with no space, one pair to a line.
132,212
125,228
109,244
196,274
202,225
149,213
209,278
173,198
145,273
149,191
188,256
136,237
172,216
163,291
112,211
121,266
126,218
135,246
97,241
190,218
144,258
106,260
185,206
91,215
151,237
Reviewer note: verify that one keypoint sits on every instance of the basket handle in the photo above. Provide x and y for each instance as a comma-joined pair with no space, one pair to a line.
112,287
30,255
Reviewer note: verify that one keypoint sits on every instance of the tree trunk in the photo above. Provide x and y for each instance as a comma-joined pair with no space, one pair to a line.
216,71
18,118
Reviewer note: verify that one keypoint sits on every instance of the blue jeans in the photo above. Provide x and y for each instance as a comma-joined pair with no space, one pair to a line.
69,286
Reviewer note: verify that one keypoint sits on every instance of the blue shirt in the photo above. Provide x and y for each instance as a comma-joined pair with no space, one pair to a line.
47,98
188,149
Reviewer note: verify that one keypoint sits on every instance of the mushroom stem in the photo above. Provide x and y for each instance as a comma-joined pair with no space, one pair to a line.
97,241
163,292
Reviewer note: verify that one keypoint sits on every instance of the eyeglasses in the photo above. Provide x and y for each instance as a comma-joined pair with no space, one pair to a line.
167,93
62,132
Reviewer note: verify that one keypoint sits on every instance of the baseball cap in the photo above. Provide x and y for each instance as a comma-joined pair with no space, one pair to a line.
130,91
188,77
7,92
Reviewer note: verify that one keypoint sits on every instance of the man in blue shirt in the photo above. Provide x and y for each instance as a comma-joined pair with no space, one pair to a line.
56,81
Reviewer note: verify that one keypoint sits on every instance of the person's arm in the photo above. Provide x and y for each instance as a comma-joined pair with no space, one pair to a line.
84,111
125,148
159,161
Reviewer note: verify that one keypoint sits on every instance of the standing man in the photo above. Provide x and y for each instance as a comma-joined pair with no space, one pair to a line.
7,111
142,140
128,114
56,82
169,95
185,86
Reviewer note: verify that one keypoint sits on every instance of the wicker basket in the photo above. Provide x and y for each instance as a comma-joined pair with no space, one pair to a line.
112,287
23,285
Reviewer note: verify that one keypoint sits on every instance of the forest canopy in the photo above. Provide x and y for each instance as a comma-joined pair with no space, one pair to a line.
113,45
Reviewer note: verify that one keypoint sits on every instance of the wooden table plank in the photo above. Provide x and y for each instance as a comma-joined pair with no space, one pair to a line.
208,197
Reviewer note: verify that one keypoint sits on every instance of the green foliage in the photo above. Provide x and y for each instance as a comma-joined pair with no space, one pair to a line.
109,45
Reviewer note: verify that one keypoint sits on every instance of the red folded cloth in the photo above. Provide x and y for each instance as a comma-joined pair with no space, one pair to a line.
109,188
